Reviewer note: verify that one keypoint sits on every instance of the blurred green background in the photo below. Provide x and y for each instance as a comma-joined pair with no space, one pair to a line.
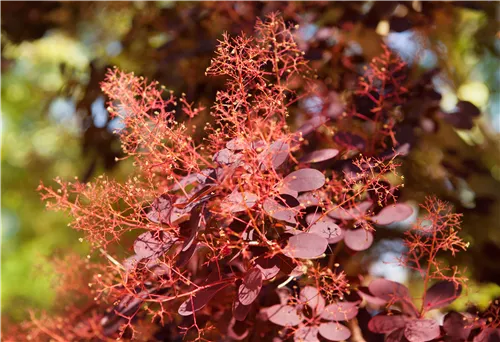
54,121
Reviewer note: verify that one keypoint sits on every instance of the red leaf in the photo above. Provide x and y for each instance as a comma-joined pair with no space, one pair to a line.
284,315
383,323
250,289
306,246
304,180
341,311
358,239
441,294
334,331
320,155
422,330
394,213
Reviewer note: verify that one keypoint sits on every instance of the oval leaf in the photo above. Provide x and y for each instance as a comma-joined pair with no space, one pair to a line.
334,331
239,201
328,229
358,239
393,213
306,246
310,296
383,324
150,244
441,294
199,301
304,180
457,326
422,330
273,209
306,333
250,289
284,315
240,311
353,213
396,336
320,155
388,290
275,155
341,311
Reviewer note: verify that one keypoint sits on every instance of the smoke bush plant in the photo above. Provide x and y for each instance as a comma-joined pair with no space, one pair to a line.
240,234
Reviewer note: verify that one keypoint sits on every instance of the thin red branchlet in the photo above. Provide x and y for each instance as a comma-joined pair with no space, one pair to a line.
435,233
214,227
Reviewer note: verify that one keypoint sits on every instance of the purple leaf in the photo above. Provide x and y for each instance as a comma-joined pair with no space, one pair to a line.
341,311
422,330
236,144
457,326
388,290
310,296
306,333
441,294
310,199
365,293
306,246
488,335
240,311
237,334
131,262
287,200
349,140
151,244
161,209
383,323
393,213
284,315
226,157
358,239
351,213
328,229
269,267
320,155
184,256
250,288
273,209
334,331
396,336
239,201
304,180
311,125
201,299
275,155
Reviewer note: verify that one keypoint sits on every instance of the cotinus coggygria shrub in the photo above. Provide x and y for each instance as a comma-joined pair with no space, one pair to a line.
236,226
